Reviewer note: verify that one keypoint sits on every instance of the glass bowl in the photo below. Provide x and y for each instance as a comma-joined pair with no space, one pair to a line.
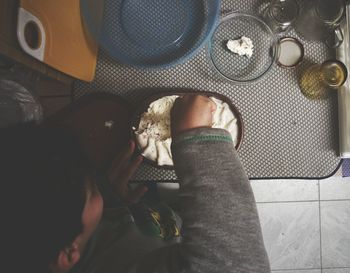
242,69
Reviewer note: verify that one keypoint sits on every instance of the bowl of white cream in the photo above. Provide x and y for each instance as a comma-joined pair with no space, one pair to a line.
151,125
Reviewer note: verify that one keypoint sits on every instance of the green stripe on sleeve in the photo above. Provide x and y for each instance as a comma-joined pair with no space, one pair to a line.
204,138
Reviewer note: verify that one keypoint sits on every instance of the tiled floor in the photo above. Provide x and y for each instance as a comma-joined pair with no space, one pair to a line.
306,224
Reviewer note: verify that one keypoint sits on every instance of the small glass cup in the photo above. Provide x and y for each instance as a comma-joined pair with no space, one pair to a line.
281,14
320,21
318,79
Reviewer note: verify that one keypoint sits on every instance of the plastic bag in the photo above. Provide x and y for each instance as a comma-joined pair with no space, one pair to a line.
17,103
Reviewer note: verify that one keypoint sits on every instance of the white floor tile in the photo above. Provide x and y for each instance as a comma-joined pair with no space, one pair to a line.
291,234
335,230
335,188
336,270
299,271
285,190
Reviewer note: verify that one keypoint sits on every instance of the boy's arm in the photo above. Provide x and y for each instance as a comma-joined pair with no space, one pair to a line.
221,229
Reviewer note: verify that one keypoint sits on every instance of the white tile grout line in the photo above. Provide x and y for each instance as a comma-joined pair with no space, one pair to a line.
308,269
334,200
319,208
336,267
303,201
298,269
319,217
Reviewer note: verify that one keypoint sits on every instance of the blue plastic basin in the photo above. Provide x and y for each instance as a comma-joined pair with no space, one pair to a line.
150,33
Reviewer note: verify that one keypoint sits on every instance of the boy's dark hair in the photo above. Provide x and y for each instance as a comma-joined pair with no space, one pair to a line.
43,176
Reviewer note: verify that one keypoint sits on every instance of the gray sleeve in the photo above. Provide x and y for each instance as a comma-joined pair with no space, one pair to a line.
221,230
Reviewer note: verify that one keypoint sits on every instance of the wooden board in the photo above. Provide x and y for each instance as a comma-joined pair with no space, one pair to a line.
10,48
65,44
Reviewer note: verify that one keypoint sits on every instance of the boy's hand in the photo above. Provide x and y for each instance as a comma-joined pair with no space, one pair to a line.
122,170
191,111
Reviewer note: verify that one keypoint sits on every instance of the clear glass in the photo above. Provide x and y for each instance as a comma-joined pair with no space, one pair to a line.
242,69
281,14
320,20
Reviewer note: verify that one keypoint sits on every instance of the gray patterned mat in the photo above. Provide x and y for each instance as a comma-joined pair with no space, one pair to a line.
286,135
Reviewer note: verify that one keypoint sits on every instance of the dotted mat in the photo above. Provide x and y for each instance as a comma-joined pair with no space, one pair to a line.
286,135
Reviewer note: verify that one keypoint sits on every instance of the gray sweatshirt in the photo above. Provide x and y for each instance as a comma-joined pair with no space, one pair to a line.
215,228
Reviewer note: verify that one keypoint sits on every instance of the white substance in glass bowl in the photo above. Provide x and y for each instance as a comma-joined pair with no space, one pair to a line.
154,135
243,46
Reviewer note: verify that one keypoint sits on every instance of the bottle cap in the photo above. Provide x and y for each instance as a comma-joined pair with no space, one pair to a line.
290,52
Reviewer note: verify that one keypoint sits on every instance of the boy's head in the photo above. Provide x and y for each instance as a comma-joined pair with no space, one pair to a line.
50,203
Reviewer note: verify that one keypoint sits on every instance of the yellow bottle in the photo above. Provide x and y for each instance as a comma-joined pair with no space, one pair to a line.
317,80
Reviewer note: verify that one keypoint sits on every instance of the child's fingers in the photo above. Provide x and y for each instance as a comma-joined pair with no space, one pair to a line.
121,161
129,171
212,105
137,193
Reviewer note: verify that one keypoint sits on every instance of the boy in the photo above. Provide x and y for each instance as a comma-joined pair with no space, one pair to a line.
54,222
